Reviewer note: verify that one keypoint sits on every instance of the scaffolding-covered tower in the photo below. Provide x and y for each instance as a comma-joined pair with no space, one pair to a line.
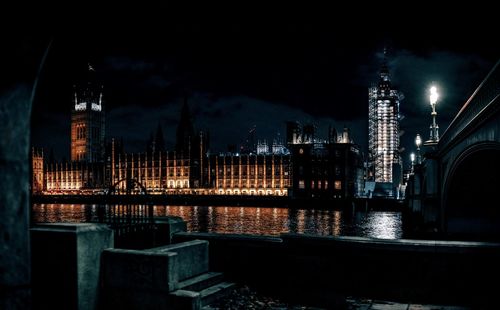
383,128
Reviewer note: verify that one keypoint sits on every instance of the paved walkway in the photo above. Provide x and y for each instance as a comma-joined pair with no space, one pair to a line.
246,298
368,304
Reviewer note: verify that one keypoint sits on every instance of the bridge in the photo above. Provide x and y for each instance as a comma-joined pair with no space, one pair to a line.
455,191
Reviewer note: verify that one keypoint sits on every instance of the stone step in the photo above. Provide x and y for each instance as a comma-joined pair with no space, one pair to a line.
201,282
215,292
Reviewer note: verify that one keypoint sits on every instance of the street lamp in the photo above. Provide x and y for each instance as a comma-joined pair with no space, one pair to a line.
434,135
418,143
412,158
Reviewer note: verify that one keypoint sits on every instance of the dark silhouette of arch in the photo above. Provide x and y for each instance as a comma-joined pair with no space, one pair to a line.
471,193
112,188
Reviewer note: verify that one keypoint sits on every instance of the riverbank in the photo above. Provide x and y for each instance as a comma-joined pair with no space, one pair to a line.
322,271
224,200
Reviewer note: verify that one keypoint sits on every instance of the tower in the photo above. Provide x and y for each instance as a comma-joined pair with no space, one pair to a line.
185,131
87,120
37,171
383,127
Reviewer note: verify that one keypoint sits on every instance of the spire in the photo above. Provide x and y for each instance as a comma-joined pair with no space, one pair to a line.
159,140
151,143
185,129
185,112
384,69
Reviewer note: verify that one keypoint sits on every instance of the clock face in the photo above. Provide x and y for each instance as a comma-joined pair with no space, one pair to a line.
82,106
301,151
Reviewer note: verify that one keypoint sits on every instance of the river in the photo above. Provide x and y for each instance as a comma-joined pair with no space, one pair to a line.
241,220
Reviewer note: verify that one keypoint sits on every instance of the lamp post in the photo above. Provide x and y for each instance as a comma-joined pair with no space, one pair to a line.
412,158
418,143
434,134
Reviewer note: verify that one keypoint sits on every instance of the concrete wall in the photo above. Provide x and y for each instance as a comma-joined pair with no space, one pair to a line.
143,279
135,279
192,257
66,264
168,226
14,198
323,270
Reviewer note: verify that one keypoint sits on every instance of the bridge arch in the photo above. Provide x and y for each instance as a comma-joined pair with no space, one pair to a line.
128,183
470,193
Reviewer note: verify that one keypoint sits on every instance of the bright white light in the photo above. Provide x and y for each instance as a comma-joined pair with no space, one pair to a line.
82,106
418,140
412,157
96,107
434,95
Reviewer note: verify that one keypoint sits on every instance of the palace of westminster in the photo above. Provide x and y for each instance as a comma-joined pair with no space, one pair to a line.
304,166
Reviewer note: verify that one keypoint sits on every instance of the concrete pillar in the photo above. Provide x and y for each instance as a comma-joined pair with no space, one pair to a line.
15,111
66,264
166,227
431,209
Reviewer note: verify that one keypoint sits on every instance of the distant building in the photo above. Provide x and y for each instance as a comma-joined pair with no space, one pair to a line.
87,121
328,169
276,148
262,147
74,177
305,167
232,174
383,130
159,172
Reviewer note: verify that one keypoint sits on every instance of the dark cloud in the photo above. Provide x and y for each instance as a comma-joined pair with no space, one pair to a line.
126,64
228,120
240,75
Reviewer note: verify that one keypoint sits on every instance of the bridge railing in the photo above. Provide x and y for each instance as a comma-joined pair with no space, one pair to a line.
483,96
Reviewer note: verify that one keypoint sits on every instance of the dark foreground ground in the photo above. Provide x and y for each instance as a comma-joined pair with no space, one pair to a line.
245,297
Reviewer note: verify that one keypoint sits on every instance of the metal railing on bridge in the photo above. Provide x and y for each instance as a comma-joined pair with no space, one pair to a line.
484,96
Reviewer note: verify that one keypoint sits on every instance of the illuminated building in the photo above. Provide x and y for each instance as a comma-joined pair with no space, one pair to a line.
262,147
87,121
37,168
234,174
383,129
313,168
74,177
278,147
158,172
329,169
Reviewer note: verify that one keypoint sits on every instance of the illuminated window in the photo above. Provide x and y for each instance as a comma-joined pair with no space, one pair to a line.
338,185
301,184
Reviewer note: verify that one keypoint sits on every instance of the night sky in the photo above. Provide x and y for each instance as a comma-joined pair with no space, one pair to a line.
262,73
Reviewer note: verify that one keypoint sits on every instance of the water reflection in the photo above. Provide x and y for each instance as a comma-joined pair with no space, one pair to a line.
241,220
